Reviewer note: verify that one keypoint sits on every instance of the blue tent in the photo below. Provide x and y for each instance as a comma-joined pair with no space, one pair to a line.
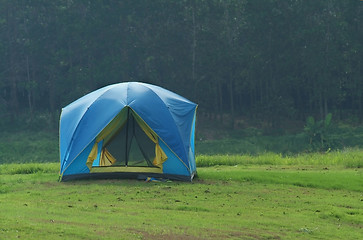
128,130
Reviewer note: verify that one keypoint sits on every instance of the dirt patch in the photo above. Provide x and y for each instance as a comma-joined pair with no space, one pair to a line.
207,234
50,184
209,181
167,236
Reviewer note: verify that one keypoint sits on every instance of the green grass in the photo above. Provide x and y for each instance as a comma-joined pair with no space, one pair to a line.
350,158
29,146
247,201
304,176
252,145
28,168
244,190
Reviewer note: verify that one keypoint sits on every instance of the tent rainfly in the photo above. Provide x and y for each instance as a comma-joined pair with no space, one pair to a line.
128,130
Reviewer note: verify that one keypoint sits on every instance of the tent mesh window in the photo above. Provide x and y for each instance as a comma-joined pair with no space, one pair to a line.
130,146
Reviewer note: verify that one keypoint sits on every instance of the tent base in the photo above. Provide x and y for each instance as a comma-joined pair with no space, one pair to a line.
126,169
125,175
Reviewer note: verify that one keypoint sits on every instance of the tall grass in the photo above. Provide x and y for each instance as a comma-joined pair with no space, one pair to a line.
255,142
29,146
28,168
253,145
350,158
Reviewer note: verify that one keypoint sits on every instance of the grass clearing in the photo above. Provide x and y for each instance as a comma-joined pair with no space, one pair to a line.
225,202
303,176
239,194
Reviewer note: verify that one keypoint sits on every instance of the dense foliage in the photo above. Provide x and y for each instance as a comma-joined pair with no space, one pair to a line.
272,59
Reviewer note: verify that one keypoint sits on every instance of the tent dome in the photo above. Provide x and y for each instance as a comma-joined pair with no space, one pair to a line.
88,125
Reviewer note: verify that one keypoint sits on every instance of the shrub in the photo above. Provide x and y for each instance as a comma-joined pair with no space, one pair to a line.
318,133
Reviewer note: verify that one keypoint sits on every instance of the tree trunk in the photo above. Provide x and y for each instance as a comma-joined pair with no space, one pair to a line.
325,106
29,89
231,87
11,34
194,45
220,97
321,107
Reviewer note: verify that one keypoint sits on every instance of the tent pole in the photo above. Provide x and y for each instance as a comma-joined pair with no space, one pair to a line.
127,139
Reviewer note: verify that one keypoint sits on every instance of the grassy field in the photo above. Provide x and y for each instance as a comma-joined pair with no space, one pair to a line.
252,187
348,158
231,199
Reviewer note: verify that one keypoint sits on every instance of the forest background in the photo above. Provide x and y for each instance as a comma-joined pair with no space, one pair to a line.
249,64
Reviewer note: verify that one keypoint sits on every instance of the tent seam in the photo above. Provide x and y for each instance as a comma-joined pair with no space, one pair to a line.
185,152
161,140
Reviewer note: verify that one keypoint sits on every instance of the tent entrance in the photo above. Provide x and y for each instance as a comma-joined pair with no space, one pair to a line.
130,146
126,142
